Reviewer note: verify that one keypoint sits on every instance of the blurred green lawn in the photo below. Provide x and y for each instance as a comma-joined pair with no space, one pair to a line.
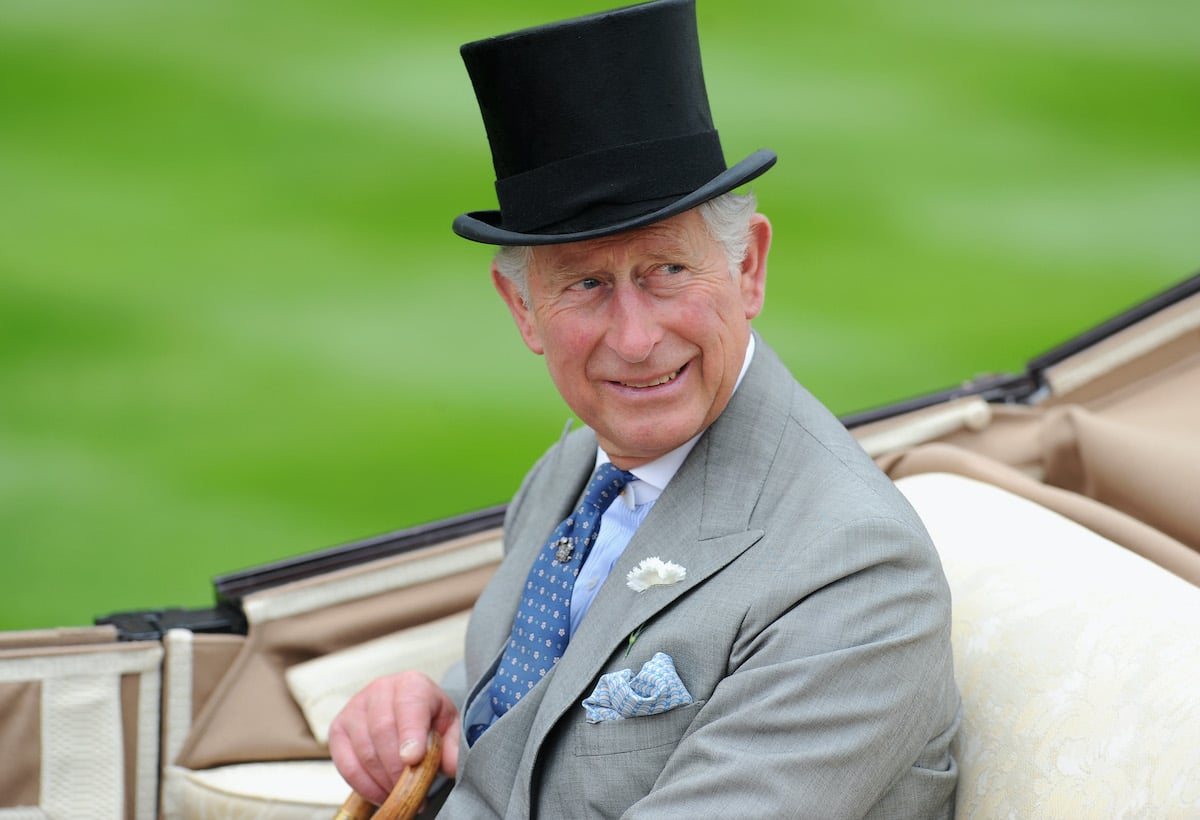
235,326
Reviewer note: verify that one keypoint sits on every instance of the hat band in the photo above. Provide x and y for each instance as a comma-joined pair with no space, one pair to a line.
641,172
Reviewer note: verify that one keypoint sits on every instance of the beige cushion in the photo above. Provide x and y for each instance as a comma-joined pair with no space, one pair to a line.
295,790
1076,660
323,685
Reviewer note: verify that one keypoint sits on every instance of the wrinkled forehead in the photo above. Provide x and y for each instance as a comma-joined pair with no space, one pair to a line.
681,237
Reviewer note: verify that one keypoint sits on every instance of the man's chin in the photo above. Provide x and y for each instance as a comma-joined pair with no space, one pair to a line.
635,448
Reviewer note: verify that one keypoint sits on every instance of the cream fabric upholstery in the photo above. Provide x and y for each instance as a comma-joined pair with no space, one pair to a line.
291,790
300,789
251,714
323,685
95,729
283,790
1076,660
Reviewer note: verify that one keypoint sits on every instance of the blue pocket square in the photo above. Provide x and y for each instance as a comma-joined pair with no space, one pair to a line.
655,689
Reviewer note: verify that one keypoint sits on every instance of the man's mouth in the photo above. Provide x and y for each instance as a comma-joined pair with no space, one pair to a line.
655,383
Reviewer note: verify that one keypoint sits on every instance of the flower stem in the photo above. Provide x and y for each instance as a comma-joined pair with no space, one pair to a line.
633,636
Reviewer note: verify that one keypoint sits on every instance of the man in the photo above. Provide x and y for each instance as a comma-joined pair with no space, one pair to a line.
759,626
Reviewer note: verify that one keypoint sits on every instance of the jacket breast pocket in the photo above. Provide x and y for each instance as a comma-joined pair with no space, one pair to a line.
624,758
658,733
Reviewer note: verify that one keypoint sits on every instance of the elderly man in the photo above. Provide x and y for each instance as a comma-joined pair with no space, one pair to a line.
712,603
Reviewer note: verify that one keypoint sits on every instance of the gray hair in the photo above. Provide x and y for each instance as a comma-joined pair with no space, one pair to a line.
727,218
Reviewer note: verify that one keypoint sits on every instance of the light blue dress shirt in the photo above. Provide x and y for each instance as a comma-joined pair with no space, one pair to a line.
617,527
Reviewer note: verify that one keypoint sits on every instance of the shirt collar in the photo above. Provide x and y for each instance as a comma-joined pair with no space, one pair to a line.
653,477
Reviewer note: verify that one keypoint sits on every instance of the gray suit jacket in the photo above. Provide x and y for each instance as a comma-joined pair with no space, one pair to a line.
812,629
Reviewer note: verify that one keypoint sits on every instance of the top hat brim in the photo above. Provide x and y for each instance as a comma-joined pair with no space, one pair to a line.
487,226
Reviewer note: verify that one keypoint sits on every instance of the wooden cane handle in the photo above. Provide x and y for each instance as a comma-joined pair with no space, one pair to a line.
406,796
356,807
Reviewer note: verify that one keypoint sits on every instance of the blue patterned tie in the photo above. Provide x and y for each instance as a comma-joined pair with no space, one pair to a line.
543,624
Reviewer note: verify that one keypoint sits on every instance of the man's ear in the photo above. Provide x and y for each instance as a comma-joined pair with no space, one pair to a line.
753,280
520,311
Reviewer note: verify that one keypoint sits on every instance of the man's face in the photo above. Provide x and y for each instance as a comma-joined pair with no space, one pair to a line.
644,332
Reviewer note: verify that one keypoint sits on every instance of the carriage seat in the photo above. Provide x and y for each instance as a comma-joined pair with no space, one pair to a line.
1076,660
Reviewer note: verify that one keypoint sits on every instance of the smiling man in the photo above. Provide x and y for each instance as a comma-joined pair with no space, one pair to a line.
644,332
712,603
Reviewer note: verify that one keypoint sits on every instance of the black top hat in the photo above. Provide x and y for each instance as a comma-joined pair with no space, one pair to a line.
597,125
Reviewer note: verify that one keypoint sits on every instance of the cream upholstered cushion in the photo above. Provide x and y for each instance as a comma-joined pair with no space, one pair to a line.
1077,661
289,790
322,686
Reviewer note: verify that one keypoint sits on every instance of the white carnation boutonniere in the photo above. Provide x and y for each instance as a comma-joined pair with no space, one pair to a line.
654,572
651,572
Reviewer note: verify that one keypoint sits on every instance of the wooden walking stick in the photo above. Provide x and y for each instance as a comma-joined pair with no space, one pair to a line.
406,796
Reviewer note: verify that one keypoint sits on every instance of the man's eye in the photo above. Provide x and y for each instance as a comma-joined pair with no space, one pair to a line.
673,269
588,284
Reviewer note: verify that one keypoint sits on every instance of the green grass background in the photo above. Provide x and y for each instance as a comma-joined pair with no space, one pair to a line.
235,326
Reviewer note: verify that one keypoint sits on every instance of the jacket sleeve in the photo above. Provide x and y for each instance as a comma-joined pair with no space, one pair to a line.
839,700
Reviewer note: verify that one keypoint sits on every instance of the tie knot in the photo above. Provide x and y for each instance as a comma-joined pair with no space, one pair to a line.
606,484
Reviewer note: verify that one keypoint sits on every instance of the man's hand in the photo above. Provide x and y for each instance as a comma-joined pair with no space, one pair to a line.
386,726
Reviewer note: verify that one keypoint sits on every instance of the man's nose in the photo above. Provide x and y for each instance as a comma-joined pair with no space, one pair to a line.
633,328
